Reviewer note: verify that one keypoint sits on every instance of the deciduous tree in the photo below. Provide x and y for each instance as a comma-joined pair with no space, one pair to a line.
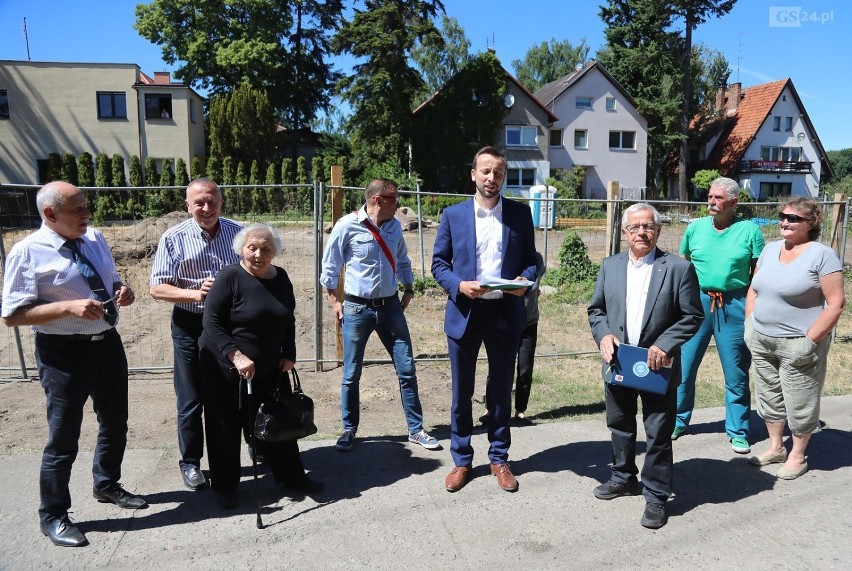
548,61
276,45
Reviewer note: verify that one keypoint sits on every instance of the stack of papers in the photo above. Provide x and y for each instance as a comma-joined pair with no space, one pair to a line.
500,283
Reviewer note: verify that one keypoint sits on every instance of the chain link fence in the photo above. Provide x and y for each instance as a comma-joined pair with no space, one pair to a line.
302,214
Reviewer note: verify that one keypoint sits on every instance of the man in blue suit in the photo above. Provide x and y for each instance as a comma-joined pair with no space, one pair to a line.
486,237
649,298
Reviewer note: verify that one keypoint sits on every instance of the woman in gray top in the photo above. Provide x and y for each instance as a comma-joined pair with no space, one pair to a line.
794,302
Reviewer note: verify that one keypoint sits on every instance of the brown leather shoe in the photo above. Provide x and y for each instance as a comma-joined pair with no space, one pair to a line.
505,479
457,478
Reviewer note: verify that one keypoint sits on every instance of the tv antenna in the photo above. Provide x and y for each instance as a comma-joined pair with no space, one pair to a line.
739,54
27,38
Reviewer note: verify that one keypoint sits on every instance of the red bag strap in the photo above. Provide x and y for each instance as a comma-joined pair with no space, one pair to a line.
375,232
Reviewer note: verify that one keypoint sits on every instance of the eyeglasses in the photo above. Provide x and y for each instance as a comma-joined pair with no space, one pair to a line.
636,228
393,198
792,218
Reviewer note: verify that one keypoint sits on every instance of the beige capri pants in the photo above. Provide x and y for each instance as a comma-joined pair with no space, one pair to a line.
789,373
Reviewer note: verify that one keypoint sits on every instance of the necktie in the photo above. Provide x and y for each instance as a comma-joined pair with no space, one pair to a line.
95,282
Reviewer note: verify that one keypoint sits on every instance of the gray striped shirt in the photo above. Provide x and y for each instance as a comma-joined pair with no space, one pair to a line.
187,255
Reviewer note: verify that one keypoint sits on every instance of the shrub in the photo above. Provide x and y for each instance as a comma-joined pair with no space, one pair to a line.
69,168
85,170
136,178
576,274
181,177
117,174
195,169
54,167
214,169
103,172
151,175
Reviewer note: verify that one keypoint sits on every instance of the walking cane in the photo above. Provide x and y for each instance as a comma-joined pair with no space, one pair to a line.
252,413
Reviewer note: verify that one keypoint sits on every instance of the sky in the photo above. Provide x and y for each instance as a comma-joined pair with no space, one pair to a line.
763,41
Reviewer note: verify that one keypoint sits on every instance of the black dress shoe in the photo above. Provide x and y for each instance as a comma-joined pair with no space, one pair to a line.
62,532
655,516
306,485
193,477
227,499
119,496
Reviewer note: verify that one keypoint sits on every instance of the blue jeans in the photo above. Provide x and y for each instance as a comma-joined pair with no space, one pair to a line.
725,324
359,321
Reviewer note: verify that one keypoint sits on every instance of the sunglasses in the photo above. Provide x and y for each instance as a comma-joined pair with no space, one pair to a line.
794,218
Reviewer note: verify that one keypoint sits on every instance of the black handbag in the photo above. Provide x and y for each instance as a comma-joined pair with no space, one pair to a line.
284,416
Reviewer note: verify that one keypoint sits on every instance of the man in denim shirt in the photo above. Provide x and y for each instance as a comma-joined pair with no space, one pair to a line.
370,245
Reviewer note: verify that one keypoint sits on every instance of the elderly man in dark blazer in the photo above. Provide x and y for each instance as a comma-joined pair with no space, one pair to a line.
486,237
649,298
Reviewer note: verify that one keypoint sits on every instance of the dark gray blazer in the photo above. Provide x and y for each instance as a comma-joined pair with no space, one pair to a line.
673,312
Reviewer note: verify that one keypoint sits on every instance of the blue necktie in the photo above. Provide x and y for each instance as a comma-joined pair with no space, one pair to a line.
95,282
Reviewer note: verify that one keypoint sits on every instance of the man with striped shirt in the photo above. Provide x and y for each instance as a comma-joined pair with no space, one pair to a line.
188,258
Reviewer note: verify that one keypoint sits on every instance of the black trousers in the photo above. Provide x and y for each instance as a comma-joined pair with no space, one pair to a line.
71,371
658,415
186,330
226,419
526,361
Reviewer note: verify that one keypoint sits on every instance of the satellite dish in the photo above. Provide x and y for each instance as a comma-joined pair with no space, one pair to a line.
800,137
508,100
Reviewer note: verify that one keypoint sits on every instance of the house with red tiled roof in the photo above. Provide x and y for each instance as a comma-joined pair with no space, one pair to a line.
762,137
599,129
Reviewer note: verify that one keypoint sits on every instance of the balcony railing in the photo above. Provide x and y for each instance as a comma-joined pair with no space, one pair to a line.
775,166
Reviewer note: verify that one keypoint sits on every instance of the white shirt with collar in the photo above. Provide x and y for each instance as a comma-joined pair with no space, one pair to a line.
489,244
638,279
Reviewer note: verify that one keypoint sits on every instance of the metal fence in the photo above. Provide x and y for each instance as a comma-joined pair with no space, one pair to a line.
304,224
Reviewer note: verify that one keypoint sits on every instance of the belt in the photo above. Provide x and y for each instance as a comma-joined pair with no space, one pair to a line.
375,302
81,336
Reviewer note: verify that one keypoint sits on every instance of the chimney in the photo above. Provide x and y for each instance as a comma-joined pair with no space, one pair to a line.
162,78
733,96
720,97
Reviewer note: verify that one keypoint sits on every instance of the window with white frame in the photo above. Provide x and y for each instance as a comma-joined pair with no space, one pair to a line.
112,105
785,154
788,124
581,139
584,102
520,136
4,104
622,140
775,189
610,103
776,123
520,177
556,137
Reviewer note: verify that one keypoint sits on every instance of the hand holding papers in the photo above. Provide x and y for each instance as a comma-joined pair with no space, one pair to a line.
502,284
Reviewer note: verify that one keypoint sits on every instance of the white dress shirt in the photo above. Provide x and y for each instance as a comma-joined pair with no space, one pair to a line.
638,278
489,244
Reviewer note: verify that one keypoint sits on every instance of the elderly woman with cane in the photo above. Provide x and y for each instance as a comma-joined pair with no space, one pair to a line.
249,332
794,302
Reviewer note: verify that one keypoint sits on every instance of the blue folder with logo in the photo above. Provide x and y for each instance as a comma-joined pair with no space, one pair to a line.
629,368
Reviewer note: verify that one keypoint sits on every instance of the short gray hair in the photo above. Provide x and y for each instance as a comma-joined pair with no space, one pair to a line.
729,185
48,195
638,207
243,235
203,181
